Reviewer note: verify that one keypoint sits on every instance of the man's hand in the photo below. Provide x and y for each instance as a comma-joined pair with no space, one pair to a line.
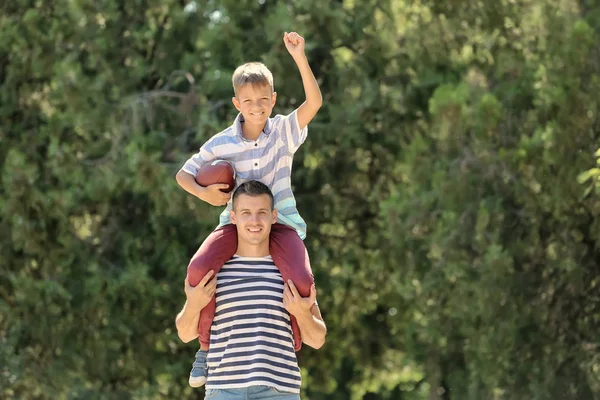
212,194
307,313
197,297
200,295
294,44
297,305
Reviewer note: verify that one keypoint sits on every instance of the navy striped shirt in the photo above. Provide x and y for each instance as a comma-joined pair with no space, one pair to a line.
251,340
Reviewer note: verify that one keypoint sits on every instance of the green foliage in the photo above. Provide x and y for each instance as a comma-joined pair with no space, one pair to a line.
450,183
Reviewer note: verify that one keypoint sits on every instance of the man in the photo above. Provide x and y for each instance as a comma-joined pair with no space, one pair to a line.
251,353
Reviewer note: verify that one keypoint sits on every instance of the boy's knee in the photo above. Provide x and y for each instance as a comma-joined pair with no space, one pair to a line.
197,268
303,281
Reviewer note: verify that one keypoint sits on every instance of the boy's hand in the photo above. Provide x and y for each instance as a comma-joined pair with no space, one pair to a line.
212,194
199,296
294,43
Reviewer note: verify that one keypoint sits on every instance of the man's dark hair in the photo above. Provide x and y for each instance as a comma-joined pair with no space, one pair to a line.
253,188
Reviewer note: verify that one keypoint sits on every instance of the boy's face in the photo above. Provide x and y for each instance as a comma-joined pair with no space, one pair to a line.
255,102
253,217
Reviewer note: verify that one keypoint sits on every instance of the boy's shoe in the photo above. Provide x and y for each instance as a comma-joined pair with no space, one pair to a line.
199,370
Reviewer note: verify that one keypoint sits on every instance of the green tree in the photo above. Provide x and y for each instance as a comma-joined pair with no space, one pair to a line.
449,184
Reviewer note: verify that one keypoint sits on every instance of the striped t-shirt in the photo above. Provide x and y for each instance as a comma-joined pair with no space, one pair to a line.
267,159
251,340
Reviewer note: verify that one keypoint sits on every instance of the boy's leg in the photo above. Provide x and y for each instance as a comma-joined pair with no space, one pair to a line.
199,371
215,251
291,258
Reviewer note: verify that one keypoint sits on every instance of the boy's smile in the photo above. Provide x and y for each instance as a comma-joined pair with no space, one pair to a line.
256,103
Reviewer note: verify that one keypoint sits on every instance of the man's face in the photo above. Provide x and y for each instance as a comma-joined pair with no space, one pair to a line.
255,102
253,217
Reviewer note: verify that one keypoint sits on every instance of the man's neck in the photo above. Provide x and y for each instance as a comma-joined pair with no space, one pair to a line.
261,250
251,132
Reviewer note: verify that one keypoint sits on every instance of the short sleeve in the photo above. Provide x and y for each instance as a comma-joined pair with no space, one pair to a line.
202,157
290,131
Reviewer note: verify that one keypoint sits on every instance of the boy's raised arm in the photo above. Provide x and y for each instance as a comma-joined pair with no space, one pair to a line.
294,43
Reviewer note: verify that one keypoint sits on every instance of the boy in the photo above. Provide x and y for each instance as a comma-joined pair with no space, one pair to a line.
260,148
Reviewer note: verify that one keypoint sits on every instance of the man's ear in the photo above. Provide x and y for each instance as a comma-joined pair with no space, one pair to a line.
274,215
236,104
232,216
273,99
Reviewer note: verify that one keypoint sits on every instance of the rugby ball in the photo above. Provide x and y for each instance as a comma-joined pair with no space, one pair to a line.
218,171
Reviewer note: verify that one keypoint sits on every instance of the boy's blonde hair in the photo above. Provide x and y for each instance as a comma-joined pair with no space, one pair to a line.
254,73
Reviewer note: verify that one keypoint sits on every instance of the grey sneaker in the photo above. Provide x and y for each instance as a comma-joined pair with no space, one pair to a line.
199,370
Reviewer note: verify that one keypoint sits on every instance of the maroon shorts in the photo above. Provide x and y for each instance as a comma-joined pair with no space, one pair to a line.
289,255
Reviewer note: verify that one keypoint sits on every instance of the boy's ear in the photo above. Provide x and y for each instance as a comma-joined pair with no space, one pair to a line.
274,215
273,99
232,216
236,103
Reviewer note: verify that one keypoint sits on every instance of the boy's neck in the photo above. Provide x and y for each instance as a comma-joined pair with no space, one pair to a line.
252,132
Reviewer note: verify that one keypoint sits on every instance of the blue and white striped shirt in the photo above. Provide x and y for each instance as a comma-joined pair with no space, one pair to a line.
267,159
251,340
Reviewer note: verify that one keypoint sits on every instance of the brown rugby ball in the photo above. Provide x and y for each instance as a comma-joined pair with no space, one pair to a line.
218,171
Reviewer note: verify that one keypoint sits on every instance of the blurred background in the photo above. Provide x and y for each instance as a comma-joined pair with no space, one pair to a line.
451,186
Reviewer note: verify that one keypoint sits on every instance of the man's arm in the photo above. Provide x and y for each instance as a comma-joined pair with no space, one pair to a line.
307,313
312,328
187,322
197,298
307,111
